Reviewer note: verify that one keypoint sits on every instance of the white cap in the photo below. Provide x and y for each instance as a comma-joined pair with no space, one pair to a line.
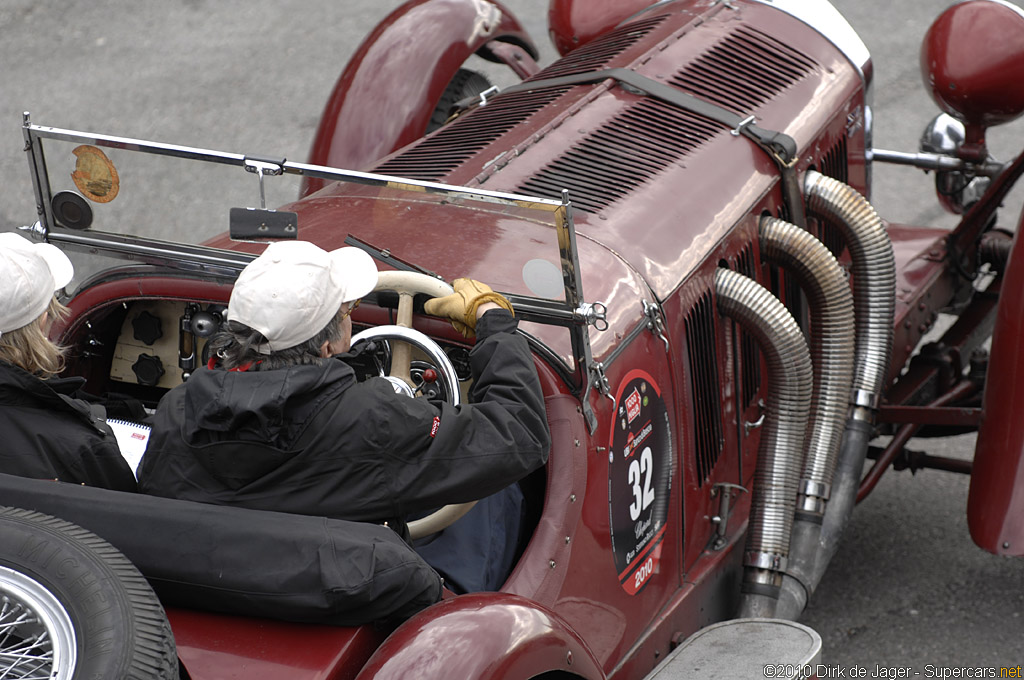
30,273
294,288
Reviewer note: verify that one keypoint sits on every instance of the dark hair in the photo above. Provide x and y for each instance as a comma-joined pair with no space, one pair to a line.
237,344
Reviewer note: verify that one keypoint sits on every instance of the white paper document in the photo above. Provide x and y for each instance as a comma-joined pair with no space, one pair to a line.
132,439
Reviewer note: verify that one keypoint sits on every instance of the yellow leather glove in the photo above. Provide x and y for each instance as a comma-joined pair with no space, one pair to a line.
461,305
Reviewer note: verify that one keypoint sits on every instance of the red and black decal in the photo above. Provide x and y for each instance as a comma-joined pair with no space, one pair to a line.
639,479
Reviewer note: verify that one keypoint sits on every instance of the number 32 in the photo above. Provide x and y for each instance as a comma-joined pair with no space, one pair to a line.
642,498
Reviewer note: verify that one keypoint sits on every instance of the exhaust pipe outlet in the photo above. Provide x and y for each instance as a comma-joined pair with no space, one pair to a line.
783,436
874,294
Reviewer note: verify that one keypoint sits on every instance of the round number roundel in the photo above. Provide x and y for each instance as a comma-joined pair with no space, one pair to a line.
639,479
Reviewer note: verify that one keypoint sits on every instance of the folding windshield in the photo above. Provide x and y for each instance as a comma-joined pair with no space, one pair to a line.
97,195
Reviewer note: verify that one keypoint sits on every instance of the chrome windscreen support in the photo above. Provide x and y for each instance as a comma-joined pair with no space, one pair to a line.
262,167
580,332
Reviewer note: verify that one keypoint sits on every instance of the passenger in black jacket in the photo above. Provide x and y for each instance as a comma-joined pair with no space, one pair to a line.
279,421
46,432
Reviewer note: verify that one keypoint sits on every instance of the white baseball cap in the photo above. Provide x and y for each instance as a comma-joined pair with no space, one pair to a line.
293,288
30,273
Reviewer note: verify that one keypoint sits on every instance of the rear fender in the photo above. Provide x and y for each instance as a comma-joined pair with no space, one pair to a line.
384,98
482,635
995,503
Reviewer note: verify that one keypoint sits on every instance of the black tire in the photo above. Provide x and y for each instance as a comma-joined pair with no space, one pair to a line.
465,83
99,615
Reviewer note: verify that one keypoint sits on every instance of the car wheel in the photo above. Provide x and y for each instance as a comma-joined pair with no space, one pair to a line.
464,84
71,605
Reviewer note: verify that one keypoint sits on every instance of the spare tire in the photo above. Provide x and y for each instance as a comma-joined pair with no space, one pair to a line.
71,605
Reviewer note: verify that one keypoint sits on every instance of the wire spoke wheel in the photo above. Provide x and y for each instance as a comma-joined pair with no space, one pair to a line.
37,638
72,606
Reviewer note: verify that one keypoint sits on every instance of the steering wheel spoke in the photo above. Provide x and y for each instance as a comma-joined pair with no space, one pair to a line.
401,353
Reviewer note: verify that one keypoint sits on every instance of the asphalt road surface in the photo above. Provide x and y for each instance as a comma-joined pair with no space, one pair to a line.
907,589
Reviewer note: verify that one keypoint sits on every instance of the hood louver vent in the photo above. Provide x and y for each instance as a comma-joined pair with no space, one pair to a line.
707,413
464,137
610,163
594,55
461,139
744,70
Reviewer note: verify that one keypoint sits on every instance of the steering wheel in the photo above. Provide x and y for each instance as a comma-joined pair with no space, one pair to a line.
407,285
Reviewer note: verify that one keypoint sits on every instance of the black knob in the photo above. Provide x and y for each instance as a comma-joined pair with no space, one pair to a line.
148,328
148,369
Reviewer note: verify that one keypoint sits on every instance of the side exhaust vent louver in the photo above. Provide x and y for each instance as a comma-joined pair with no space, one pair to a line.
623,154
834,164
748,351
707,413
594,55
452,145
744,70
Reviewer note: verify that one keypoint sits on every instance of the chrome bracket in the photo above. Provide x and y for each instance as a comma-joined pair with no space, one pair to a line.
753,425
654,323
264,167
724,491
738,130
599,380
493,89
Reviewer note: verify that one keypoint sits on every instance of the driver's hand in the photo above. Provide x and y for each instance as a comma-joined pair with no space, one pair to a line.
461,306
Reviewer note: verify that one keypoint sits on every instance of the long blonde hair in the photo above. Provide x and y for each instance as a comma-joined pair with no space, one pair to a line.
30,348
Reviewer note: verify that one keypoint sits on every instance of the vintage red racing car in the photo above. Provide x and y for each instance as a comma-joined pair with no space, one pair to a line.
714,371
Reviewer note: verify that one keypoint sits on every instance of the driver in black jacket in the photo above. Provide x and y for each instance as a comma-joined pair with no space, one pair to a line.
279,422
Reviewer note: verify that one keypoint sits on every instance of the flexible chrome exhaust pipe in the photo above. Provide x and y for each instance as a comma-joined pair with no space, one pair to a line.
782,439
874,281
832,349
874,292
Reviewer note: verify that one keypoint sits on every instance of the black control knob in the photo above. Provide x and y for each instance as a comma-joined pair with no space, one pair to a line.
148,369
148,328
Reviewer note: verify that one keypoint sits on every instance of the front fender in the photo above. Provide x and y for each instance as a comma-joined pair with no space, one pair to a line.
384,98
480,636
995,502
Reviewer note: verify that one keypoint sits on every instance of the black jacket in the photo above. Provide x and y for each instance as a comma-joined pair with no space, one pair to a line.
48,434
313,440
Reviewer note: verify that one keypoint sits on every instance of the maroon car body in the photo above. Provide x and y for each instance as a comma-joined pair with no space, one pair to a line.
662,404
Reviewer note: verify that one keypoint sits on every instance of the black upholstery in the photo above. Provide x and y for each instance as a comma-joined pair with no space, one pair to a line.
249,562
